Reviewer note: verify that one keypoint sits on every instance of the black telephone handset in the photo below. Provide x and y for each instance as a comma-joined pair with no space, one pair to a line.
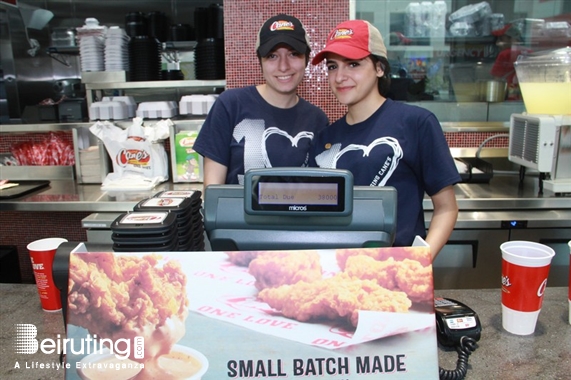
457,326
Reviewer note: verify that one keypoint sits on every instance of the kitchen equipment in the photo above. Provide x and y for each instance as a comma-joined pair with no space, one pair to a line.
180,32
541,139
495,91
41,113
545,81
63,37
475,170
201,23
70,87
136,24
158,25
23,188
172,75
467,80
144,59
34,17
72,110
543,142
209,62
116,49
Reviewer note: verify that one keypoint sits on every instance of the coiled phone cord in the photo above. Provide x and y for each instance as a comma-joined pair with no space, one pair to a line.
465,348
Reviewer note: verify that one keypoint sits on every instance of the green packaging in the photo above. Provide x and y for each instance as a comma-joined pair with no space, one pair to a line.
188,163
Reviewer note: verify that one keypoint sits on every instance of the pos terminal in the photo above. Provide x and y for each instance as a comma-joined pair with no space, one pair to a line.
299,208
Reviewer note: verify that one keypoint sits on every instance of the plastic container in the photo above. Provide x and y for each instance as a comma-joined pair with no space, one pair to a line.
557,29
128,100
196,104
108,110
413,20
156,110
63,37
545,81
438,19
471,13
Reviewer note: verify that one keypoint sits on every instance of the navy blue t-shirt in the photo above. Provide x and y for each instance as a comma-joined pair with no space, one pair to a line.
242,131
400,145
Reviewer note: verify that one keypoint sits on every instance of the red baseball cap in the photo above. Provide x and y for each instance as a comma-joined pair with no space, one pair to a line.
353,39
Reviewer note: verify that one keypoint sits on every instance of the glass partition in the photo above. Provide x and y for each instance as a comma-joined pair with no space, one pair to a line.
463,51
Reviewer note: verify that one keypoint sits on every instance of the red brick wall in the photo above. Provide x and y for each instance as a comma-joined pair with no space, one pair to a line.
19,228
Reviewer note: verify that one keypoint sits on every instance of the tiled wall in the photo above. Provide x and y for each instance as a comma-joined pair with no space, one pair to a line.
242,20
474,139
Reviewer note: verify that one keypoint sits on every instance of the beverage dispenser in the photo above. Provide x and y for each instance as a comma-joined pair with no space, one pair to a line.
541,138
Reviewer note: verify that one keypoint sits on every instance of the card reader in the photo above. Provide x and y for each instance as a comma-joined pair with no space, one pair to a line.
455,320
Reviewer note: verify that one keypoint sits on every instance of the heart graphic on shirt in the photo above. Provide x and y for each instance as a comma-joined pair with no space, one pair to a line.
276,131
329,158
255,135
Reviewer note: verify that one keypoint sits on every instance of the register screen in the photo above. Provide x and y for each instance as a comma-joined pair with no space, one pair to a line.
298,193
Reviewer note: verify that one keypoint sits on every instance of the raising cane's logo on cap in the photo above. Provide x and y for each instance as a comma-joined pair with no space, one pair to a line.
281,25
341,33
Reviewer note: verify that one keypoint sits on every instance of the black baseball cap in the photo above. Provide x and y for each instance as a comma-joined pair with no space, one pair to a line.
282,29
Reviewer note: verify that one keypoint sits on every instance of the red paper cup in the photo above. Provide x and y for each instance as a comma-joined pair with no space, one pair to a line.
42,254
525,267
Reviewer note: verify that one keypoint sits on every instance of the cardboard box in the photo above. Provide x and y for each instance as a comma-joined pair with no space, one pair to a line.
187,164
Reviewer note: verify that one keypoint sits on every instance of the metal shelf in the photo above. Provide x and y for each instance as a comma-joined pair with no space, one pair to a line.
157,84
71,50
203,86
61,53
179,45
47,127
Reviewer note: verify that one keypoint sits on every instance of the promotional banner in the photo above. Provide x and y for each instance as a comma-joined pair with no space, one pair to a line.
326,314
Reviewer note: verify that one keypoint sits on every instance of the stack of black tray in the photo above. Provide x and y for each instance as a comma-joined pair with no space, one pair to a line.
145,232
186,204
169,221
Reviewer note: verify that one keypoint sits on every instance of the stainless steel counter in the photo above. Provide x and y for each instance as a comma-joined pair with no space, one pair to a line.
470,259
68,196
546,354
501,194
